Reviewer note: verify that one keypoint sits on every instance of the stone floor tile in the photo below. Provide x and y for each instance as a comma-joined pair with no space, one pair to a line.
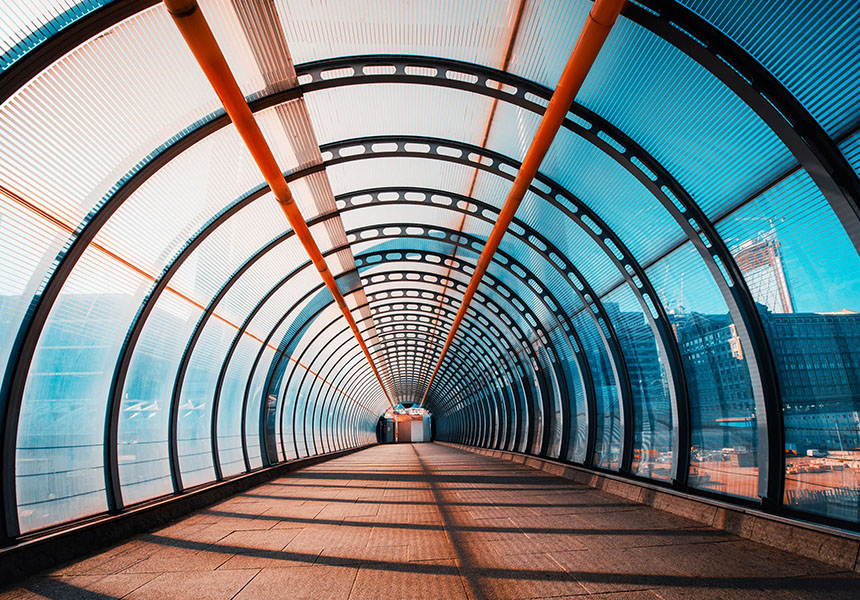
300,583
431,580
195,585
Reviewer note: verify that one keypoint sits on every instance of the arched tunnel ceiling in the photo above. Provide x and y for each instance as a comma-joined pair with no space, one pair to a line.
162,325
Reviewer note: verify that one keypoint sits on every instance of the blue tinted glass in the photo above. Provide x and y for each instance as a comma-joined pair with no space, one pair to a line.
144,466
806,282
59,460
724,452
607,452
653,433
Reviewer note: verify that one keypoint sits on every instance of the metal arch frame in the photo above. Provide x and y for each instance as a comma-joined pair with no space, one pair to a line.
246,395
242,329
341,353
335,380
811,134
281,355
725,59
568,272
307,348
528,401
328,389
384,335
730,281
482,343
425,78
557,196
255,311
126,353
516,400
367,284
316,400
316,397
472,384
541,378
554,365
420,330
286,386
278,355
557,362
485,402
712,249
299,174
273,366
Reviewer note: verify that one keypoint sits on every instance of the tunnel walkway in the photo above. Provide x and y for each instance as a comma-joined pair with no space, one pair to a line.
429,521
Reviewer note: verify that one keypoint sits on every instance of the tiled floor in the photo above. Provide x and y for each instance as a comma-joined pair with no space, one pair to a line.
428,521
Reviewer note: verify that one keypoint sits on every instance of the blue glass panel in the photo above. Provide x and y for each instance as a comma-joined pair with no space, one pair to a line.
230,405
706,137
195,404
607,452
806,281
724,455
62,424
787,37
144,467
851,148
255,397
653,434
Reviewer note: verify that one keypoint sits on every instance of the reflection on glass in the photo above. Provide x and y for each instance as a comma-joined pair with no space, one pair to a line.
724,450
652,411
806,282
607,450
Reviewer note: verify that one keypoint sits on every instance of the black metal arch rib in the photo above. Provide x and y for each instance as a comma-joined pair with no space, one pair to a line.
259,192
480,347
574,209
219,122
480,366
430,307
102,215
209,311
364,326
446,315
355,364
461,265
529,403
368,284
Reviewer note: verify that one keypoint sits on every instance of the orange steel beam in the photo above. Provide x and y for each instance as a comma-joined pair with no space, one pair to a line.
197,34
597,26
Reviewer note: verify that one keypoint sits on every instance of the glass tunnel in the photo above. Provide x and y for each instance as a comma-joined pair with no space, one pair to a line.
677,299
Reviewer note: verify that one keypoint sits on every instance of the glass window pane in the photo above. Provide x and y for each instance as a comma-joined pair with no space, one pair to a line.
144,467
806,281
724,453
653,434
61,430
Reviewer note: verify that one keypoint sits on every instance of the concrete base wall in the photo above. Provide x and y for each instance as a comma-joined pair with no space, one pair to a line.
828,545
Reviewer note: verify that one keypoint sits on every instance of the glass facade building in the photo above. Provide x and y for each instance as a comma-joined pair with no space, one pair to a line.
677,300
